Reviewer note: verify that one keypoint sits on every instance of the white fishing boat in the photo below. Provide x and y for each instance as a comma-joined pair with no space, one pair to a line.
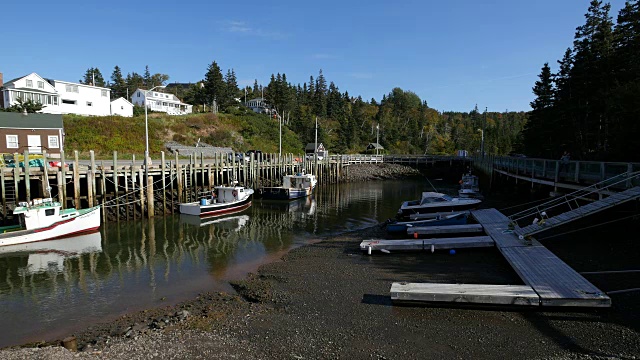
432,202
293,187
44,219
469,187
222,200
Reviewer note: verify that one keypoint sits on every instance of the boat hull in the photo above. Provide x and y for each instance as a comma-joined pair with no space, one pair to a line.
215,209
281,193
402,226
406,211
86,221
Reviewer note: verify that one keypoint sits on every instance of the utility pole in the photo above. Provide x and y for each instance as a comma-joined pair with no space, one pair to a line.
484,123
377,136
315,150
281,119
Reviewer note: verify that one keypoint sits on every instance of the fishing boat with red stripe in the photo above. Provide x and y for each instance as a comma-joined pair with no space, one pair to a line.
44,219
222,200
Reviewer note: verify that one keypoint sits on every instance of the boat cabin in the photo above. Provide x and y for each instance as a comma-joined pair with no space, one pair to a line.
223,194
40,213
298,181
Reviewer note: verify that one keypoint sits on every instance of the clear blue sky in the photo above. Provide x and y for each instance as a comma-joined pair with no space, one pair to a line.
453,54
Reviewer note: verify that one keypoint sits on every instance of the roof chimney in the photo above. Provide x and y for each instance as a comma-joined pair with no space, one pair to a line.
1,80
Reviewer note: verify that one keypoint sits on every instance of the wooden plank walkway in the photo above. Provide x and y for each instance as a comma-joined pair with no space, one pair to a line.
440,230
428,244
465,293
554,281
592,208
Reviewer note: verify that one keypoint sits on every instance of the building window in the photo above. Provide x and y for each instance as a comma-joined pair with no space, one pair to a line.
55,101
53,142
29,83
68,88
104,93
40,84
89,103
121,107
68,102
139,94
12,141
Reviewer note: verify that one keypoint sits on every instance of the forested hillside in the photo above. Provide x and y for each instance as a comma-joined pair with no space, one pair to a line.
590,105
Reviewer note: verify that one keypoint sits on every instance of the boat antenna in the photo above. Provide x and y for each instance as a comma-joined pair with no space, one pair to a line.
434,188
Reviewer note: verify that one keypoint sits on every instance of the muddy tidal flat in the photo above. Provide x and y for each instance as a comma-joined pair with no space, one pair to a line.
327,300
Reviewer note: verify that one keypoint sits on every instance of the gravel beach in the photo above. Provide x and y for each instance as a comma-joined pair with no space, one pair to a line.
327,300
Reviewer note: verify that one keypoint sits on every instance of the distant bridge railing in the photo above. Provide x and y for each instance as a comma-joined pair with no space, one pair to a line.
396,159
552,172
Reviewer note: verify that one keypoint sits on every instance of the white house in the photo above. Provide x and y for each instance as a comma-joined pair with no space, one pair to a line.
159,101
82,99
58,97
31,87
122,107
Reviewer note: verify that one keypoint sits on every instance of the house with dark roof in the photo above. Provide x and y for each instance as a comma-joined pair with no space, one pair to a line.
33,132
310,149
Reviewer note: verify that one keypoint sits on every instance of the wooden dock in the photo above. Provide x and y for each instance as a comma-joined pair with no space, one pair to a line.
551,279
427,244
445,229
465,293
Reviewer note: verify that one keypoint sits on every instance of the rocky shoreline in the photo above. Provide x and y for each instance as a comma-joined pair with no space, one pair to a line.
329,301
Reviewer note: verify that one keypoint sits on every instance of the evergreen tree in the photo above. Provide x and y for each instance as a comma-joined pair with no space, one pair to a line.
320,98
539,131
148,82
93,77
231,88
214,86
118,84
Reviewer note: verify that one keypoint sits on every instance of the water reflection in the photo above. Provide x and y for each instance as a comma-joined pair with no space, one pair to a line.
50,289
49,256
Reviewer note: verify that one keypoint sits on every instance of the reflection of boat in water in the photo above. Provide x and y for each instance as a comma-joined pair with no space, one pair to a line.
228,222
305,205
47,255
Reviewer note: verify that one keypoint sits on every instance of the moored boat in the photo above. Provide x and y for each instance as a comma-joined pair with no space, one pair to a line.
293,187
469,187
222,200
440,220
44,219
432,202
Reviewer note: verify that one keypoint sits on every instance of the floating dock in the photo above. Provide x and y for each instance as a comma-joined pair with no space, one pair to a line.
445,229
428,244
549,281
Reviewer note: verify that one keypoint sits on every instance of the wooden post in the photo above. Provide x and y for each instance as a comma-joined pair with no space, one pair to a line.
114,177
27,177
46,193
3,193
141,188
60,181
577,173
164,186
171,176
150,198
103,190
126,195
91,182
209,177
132,203
202,170
63,194
76,180
179,179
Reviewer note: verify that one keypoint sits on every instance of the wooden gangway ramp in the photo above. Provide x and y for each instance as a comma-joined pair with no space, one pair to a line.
465,294
582,211
552,279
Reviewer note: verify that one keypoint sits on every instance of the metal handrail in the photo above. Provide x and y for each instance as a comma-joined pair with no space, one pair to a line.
574,196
